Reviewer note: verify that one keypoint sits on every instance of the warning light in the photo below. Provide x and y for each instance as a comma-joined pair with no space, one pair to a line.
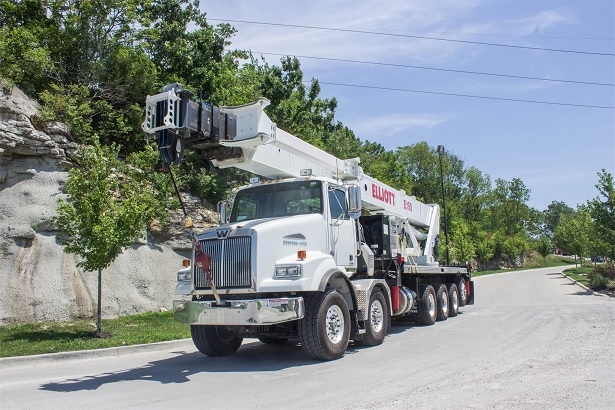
186,263
301,254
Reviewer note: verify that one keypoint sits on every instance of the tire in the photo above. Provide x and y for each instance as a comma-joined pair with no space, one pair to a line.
214,340
453,300
273,340
427,313
442,299
378,320
461,289
324,331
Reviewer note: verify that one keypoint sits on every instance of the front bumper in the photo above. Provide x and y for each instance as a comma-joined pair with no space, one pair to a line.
239,312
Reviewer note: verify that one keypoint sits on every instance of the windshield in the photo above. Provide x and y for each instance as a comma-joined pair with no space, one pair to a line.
284,199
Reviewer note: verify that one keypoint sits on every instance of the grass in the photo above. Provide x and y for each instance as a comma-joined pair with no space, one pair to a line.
533,261
579,274
52,337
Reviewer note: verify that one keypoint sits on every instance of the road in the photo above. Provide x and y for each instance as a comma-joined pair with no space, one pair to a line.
532,340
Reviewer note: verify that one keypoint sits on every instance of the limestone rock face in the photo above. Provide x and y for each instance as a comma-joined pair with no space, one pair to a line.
40,281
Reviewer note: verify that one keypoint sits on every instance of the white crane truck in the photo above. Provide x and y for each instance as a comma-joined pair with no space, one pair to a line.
315,251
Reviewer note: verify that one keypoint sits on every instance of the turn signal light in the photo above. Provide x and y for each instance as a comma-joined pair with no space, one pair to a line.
301,254
186,263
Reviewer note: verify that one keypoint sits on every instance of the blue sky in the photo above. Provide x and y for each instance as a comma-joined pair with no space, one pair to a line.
557,150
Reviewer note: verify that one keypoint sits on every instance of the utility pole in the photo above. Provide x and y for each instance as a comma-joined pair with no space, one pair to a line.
440,153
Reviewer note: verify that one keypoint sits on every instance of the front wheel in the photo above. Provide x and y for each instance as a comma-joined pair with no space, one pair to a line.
214,340
324,331
378,320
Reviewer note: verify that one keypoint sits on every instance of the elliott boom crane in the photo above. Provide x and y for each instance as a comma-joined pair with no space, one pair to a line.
320,252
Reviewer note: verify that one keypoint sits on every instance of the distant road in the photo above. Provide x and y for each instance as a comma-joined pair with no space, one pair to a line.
533,340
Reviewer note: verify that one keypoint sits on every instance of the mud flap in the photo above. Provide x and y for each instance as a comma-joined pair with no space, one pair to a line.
470,300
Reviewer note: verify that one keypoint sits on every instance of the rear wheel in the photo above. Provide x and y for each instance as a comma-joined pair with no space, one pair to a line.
427,310
214,340
453,300
324,331
461,288
378,320
442,299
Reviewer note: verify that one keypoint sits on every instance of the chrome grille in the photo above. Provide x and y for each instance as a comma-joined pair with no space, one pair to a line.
230,263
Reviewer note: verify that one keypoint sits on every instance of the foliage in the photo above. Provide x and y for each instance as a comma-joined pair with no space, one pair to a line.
573,232
602,211
543,247
106,207
509,205
463,248
603,276
514,246
552,216
484,249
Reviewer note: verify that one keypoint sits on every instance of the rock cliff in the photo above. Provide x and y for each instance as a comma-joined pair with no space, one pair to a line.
39,280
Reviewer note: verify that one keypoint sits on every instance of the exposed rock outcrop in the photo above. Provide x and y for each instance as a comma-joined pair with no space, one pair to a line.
42,282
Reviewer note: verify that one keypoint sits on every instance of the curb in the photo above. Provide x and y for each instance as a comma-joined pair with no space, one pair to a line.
581,285
62,357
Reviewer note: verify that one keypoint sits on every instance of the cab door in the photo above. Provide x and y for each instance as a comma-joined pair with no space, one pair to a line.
342,234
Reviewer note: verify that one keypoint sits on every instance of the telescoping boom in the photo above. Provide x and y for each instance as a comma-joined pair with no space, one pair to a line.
318,251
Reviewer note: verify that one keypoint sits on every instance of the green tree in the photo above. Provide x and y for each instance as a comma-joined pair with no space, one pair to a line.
474,195
574,232
463,248
422,164
602,210
514,246
106,209
484,249
509,211
543,247
552,216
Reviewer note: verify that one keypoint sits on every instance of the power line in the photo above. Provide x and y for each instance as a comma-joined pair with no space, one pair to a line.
465,95
441,69
417,37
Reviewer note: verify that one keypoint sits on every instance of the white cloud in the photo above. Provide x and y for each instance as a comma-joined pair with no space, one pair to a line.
396,17
394,124
539,22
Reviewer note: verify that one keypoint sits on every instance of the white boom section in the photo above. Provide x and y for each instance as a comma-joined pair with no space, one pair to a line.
274,153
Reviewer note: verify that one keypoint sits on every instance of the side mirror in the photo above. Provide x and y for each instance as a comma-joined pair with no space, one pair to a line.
222,212
354,201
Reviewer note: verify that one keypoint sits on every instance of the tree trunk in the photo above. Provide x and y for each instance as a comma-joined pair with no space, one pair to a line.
99,308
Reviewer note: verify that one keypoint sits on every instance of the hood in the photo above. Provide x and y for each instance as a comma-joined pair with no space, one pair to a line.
244,228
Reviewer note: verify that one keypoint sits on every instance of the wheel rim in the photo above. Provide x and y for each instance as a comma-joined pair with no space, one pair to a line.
462,289
432,305
454,301
335,324
444,302
376,316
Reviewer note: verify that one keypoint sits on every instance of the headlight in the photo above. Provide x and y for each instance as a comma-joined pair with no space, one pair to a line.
288,271
184,275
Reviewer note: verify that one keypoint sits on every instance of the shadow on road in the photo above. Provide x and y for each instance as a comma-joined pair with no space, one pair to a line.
254,357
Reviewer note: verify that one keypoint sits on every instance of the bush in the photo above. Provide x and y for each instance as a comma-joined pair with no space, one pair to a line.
602,276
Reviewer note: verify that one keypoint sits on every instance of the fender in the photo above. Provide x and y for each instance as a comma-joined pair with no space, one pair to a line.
335,279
